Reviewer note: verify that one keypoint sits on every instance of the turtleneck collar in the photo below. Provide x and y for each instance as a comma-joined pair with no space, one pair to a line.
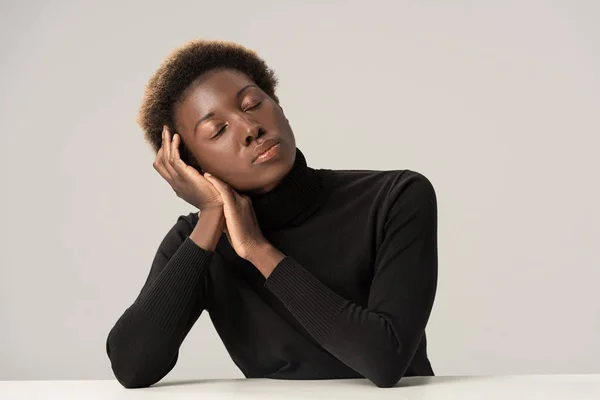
294,199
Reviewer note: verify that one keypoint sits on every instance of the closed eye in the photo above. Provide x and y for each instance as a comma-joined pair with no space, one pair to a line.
220,131
254,106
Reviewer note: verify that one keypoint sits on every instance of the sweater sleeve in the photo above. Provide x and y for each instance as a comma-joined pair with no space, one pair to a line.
143,345
377,341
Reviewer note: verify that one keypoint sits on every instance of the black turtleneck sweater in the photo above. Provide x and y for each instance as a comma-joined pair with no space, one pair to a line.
351,298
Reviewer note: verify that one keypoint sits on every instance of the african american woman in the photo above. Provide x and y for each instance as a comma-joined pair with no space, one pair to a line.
305,273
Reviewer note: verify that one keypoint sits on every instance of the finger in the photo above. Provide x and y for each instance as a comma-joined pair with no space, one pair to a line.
239,198
159,167
220,186
223,189
163,148
175,155
173,147
246,197
158,158
167,154
167,139
176,162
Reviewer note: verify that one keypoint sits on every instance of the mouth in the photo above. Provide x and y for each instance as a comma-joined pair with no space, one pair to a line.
268,154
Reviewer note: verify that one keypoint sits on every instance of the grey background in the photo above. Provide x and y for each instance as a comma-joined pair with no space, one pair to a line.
496,102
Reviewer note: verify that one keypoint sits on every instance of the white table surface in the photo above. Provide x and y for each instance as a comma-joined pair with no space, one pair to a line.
546,387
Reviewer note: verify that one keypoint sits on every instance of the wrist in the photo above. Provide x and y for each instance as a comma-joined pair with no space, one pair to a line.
208,229
265,258
213,210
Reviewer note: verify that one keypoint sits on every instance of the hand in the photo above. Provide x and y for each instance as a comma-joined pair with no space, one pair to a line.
242,227
185,180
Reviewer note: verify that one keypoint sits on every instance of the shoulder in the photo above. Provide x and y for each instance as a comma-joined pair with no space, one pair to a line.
187,221
182,228
412,183
392,183
411,197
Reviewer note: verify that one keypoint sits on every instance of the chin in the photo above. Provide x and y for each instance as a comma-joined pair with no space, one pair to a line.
271,173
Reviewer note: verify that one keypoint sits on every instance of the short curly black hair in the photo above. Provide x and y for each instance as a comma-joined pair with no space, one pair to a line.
167,87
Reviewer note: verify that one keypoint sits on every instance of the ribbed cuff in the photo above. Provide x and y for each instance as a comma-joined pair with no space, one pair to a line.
312,303
170,293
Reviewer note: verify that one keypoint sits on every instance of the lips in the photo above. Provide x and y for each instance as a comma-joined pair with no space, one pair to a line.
261,148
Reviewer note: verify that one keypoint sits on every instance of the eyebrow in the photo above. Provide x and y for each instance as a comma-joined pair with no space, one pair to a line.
212,114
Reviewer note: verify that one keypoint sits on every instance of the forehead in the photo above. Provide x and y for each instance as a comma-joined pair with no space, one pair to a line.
216,86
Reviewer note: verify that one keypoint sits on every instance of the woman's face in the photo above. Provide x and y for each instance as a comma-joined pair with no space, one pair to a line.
222,118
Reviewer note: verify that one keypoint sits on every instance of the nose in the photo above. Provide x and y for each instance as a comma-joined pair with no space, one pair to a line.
250,129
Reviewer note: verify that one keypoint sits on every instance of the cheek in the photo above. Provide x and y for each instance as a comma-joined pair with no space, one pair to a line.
276,116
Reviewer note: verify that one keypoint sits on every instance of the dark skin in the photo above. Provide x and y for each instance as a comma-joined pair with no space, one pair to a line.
228,156
236,116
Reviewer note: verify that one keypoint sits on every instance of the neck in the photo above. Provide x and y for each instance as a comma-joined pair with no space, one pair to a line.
293,199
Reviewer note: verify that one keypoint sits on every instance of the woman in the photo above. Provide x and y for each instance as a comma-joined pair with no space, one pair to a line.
306,273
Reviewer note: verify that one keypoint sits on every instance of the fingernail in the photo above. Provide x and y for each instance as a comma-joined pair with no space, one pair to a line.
207,174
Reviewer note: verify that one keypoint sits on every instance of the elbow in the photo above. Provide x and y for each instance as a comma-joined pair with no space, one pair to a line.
387,373
131,382
130,370
128,374
132,375
386,379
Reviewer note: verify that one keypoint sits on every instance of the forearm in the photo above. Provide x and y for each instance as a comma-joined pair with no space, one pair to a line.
368,341
143,344
180,282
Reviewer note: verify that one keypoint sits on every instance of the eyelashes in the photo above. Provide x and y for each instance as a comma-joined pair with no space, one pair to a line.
254,106
222,129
